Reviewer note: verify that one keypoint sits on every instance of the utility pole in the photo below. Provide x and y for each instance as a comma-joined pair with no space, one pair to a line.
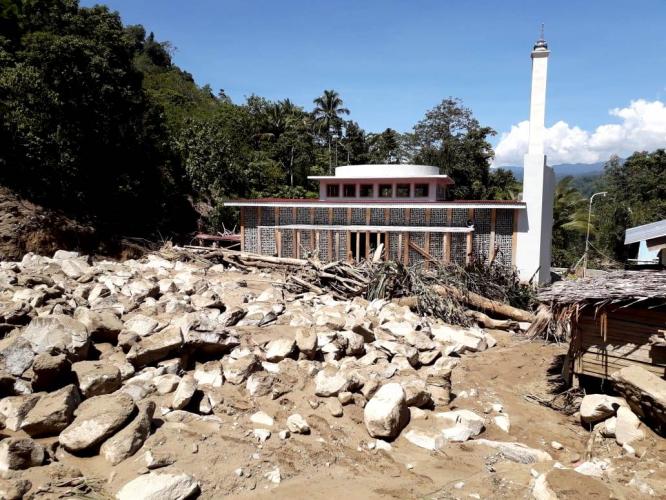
587,236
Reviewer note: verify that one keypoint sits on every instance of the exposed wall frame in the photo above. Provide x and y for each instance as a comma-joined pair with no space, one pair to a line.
491,244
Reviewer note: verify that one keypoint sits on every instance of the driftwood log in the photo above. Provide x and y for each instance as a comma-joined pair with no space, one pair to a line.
475,300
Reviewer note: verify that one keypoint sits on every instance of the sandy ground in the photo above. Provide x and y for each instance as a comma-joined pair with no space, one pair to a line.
335,462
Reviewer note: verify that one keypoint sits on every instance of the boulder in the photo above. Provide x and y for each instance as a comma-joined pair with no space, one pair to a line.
14,489
155,347
75,268
386,414
262,418
58,333
427,440
184,392
156,486
20,453
141,324
209,374
330,382
15,408
627,427
597,407
96,420
297,424
103,325
260,383
167,383
130,439
470,339
52,413
50,371
460,425
645,393
306,341
416,392
16,355
236,371
95,378
278,349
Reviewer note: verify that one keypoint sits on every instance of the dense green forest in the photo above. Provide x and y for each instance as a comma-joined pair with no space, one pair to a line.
97,120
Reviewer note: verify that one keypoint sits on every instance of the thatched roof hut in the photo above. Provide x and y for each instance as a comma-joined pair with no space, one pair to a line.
611,321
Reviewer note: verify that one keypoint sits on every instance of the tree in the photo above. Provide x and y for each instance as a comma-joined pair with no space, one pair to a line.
385,147
327,117
569,224
451,138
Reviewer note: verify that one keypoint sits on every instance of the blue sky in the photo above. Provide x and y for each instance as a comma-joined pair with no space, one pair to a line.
393,60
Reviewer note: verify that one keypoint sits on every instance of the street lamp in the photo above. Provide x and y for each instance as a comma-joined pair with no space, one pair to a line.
587,236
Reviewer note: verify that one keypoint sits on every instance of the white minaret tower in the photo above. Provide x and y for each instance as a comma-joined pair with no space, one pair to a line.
535,224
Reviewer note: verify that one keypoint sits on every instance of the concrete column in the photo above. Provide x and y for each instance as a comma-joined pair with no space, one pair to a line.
535,223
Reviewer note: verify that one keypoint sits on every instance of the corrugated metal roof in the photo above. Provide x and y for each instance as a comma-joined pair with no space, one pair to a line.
374,203
645,232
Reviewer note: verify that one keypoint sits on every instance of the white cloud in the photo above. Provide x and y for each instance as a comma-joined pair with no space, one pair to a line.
642,127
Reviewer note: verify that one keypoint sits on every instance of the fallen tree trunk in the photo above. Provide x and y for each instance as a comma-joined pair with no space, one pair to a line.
475,300
487,322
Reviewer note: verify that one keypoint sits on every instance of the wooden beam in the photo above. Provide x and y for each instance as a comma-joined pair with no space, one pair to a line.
337,245
408,221
313,236
491,245
469,251
298,244
348,246
421,251
447,237
278,242
367,244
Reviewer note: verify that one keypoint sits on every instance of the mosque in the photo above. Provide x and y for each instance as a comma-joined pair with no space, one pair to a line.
404,213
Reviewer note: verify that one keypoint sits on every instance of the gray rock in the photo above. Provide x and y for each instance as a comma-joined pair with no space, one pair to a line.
52,413
20,453
155,347
95,378
236,371
97,419
297,424
597,407
260,383
15,408
209,374
14,489
156,486
103,325
184,392
278,349
167,383
416,392
16,355
386,414
130,439
331,382
516,452
306,341
58,333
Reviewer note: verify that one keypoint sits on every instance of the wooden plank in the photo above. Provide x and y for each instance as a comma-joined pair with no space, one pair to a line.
348,249
420,251
447,237
278,242
400,245
367,245
313,233
298,244
589,366
386,246
408,221
491,247
469,250
645,353
337,245
358,245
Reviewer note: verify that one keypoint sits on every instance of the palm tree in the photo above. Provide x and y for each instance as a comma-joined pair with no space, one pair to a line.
327,116
569,223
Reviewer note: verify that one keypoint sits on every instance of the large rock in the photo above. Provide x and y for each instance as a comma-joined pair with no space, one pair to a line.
20,453
297,424
155,347
50,371
209,374
469,339
597,407
14,489
16,355
96,420
645,393
236,371
416,393
460,425
184,392
58,333
386,414
129,440
331,382
627,427
15,408
52,413
278,349
156,486
103,325
96,377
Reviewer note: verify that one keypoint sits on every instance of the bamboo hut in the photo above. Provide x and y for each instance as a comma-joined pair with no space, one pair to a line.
611,321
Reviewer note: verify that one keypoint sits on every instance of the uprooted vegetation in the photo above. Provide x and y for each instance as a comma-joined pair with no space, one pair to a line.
210,374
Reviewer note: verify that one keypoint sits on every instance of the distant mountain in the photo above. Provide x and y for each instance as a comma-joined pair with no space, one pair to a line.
573,169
